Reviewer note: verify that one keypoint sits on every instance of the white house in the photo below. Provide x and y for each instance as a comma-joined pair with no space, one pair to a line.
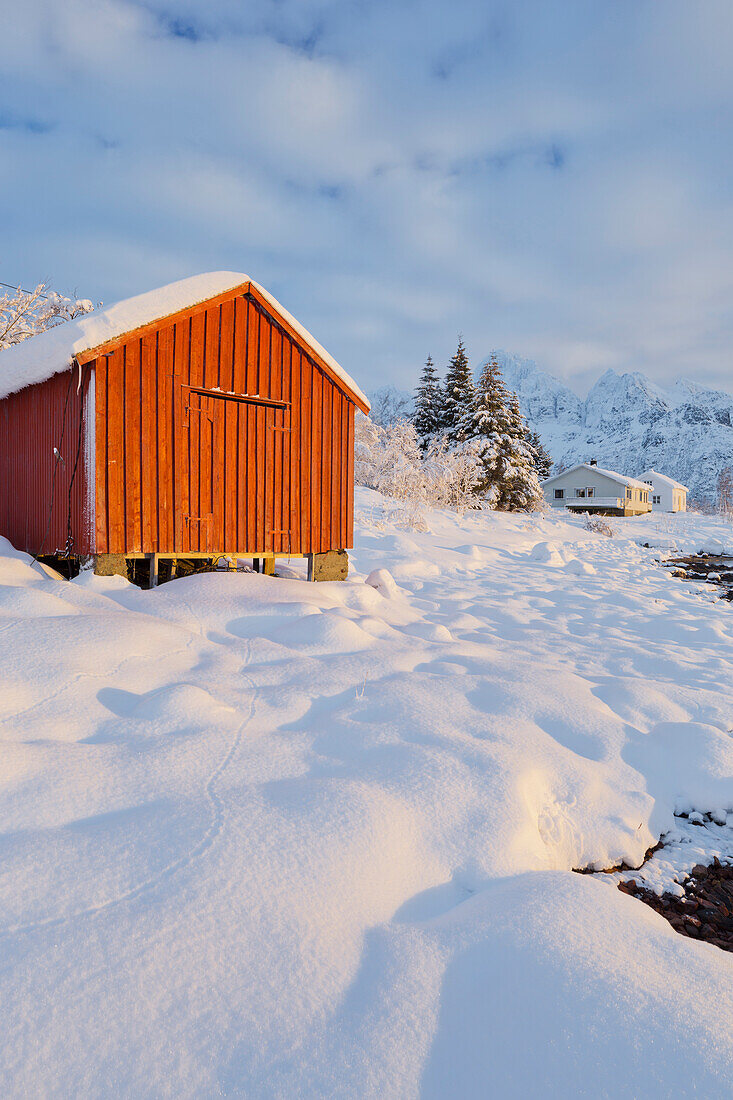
590,488
667,494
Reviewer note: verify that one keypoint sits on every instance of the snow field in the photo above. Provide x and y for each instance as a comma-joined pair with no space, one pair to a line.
267,838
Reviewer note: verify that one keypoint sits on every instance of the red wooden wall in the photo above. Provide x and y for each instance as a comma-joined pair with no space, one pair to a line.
34,506
217,432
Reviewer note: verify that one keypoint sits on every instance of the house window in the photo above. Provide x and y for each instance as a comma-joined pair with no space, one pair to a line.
656,500
629,494
580,492
559,494
590,491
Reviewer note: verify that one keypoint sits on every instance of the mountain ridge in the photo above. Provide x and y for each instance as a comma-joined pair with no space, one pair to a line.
626,421
629,423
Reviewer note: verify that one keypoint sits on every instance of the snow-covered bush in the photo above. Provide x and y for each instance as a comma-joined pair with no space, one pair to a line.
26,313
390,460
452,475
389,404
368,450
599,526
725,493
465,448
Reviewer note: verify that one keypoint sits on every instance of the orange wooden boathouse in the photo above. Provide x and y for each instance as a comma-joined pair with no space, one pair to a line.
190,422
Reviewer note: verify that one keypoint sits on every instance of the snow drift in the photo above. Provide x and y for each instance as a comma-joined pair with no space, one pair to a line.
267,838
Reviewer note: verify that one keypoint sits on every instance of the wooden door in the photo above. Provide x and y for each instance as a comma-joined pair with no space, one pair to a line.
194,472
232,474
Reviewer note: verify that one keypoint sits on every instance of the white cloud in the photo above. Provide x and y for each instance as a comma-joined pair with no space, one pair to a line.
548,177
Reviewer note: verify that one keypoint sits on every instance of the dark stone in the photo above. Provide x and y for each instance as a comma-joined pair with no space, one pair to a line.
111,565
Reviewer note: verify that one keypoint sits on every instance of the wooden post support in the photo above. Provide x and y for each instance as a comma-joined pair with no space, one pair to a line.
309,559
154,570
269,564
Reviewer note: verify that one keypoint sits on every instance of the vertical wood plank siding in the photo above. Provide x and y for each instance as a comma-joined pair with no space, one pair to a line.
33,506
180,471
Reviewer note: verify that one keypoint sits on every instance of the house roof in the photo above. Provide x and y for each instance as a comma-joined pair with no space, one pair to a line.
40,357
667,480
621,478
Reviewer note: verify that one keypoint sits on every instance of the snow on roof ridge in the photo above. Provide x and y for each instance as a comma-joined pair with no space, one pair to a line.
51,352
667,478
622,478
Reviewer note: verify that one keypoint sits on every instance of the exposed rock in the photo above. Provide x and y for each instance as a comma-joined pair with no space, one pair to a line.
705,911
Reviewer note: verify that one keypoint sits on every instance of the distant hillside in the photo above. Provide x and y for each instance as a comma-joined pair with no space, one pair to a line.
628,423
389,403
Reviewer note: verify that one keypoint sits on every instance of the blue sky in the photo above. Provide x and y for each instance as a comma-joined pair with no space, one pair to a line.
553,178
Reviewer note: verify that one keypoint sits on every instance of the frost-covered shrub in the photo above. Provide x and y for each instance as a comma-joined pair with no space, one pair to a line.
390,460
368,447
444,475
401,468
599,526
387,459
725,493
451,476
26,313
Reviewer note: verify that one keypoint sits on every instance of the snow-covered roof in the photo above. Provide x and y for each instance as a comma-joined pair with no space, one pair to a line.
613,474
667,480
40,357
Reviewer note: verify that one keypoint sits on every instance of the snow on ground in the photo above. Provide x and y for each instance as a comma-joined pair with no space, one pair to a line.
691,840
272,839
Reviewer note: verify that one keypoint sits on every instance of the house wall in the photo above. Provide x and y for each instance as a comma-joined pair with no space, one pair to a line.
37,492
605,489
182,471
671,498
579,479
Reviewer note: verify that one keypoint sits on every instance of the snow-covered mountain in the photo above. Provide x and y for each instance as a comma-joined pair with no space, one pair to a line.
628,423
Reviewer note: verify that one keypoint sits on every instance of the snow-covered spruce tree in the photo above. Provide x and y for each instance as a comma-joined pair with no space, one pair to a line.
25,313
429,405
490,408
460,395
543,461
507,477
521,489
